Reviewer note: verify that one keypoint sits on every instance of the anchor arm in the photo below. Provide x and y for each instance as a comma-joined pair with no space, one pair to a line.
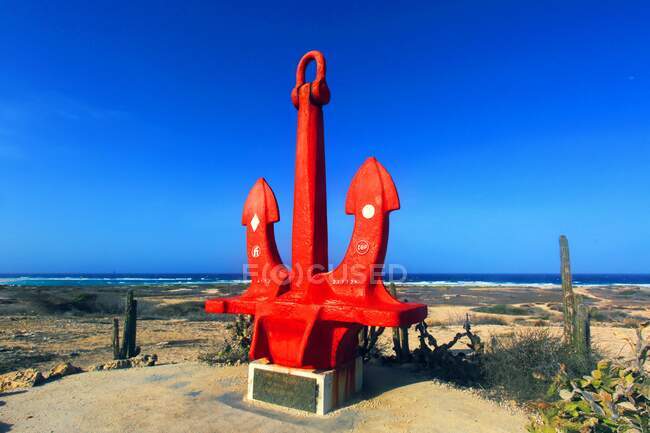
268,274
372,195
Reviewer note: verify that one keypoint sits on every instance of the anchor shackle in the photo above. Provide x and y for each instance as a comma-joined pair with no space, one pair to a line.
319,93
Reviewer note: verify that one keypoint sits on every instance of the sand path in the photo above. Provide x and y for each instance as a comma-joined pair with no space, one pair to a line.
196,398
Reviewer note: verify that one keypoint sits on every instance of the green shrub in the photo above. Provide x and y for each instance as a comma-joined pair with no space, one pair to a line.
522,365
503,309
614,398
608,315
489,320
629,292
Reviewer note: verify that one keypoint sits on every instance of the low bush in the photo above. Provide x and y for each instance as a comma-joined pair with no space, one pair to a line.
503,309
489,320
77,304
608,315
233,350
629,292
188,310
522,365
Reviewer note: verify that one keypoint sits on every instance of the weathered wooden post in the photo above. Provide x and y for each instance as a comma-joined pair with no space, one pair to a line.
116,338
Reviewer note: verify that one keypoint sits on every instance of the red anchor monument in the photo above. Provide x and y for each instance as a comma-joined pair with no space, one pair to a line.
306,317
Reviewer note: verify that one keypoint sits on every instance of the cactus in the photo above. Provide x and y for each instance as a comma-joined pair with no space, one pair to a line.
641,348
615,397
443,362
577,316
568,299
397,345
368,345
116,338
405,354
129,348
581,338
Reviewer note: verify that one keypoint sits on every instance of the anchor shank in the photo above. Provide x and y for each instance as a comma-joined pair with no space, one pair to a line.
309,238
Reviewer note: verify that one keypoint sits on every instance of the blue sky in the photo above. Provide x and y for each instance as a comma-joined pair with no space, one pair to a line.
131,133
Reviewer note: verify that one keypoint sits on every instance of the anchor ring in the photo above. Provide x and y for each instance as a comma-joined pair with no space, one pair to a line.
318,91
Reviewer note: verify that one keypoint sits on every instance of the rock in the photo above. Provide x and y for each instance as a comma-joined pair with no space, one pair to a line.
21,379
136,361
144,360
112,365
61,370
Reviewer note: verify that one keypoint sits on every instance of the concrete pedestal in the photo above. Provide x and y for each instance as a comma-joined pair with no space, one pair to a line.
316,391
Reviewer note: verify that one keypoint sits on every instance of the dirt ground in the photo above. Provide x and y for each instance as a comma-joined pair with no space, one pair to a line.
194,398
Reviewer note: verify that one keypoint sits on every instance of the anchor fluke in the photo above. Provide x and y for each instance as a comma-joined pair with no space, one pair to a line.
371,186
261,202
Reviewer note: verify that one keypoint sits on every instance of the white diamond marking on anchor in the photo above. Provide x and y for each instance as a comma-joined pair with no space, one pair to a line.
255,222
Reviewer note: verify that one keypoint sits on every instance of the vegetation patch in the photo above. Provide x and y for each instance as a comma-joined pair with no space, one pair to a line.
522,365
489,320
629,292
233,350
614,398
510,310
188,310
608,315
461,366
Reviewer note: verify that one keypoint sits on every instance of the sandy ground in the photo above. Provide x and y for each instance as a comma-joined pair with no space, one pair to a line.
195,398
42,327
42,342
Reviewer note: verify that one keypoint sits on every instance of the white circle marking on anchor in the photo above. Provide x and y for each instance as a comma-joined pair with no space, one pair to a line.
368,211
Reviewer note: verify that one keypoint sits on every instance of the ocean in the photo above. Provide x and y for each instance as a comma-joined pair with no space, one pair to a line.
420,279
